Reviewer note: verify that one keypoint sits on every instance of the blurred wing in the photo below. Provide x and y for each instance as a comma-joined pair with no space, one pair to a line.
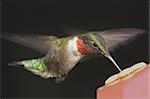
36,42
72,31
116,37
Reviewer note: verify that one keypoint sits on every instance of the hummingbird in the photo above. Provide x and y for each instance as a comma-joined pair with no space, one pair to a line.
62,54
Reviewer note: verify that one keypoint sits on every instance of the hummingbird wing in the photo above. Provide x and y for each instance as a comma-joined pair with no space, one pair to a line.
69,31
37,42
116,37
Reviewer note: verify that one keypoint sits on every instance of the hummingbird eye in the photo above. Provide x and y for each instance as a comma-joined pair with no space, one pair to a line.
94,44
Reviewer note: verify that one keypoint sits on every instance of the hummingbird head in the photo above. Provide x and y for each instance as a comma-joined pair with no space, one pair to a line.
94,43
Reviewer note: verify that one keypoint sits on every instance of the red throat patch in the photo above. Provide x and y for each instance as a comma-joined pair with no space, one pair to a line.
82,48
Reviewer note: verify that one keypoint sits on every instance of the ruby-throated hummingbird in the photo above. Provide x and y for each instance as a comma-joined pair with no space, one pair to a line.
62,54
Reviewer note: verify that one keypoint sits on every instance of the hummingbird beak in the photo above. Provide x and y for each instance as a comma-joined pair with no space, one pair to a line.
112,60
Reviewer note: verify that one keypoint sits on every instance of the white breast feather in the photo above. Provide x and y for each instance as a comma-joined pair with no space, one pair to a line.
74,55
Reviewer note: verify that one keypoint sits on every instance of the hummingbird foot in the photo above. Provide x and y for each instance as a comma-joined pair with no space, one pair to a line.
60,79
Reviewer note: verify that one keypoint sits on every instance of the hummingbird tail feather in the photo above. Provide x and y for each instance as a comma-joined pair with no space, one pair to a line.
17,64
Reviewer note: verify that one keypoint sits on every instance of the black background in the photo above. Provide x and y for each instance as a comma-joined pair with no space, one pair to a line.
49,16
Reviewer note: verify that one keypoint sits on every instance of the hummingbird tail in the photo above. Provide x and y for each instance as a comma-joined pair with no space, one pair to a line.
36,66
17,64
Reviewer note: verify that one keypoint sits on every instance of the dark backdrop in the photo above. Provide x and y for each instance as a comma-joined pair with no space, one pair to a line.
49,16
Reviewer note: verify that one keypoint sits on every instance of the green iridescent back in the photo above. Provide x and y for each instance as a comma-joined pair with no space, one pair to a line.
35,64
